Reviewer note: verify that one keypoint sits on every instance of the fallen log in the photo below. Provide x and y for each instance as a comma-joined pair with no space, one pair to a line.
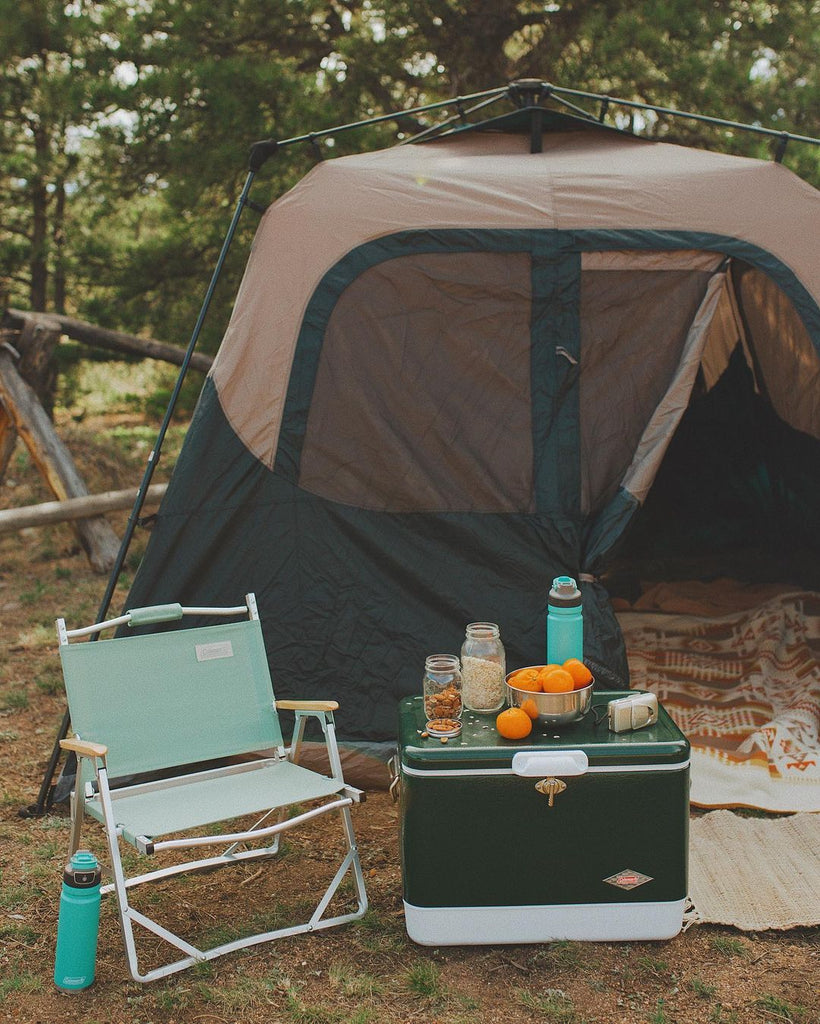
48,512
117,341
52,458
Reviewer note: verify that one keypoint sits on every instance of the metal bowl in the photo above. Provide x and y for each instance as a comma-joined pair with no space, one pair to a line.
553,708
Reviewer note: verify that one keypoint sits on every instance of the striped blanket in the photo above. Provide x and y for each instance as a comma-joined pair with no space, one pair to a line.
745,689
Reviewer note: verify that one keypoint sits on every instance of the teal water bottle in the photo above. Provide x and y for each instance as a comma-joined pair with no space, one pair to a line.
78,923
565,621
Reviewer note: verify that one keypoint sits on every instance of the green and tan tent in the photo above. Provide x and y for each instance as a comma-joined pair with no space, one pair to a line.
452,372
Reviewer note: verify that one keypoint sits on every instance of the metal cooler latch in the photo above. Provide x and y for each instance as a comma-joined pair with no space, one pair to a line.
551,787
552,763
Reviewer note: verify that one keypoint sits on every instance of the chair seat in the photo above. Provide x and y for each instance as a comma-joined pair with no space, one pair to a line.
160,808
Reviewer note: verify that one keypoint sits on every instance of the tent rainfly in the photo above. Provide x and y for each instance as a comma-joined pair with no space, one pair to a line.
452,372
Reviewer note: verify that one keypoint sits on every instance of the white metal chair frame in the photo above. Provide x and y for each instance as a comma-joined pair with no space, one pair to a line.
101,800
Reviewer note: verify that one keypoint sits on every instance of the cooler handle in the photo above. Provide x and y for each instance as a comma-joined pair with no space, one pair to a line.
531,763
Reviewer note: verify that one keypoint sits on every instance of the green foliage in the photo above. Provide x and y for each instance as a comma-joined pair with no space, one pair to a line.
125,127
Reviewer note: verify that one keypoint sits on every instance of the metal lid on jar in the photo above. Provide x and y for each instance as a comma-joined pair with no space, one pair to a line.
439,727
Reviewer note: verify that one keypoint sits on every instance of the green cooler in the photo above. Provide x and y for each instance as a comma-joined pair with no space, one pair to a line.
577,833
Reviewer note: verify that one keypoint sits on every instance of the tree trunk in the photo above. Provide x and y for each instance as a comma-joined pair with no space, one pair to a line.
54,462
58,239
36,343
38,260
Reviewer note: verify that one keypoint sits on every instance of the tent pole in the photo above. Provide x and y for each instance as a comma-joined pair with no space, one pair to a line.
456,101
718,122
45,796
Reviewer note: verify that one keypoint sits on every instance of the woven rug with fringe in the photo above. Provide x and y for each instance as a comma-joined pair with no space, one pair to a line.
745,689
755,874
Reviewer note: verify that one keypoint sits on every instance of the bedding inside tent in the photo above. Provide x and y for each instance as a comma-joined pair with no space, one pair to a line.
456,370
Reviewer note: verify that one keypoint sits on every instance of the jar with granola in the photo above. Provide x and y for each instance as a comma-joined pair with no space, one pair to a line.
442,687
483,668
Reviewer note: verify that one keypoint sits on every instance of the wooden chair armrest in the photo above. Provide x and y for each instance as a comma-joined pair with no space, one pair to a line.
307,705
84,748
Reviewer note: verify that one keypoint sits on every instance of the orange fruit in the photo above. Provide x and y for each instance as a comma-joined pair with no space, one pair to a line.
526,679
514,724
558,681
581,676
545,671
530,707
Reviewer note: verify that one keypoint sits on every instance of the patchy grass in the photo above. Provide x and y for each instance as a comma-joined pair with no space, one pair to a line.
552,1005
728,945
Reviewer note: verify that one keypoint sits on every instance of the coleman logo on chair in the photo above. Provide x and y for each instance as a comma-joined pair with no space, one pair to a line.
628,879
210,652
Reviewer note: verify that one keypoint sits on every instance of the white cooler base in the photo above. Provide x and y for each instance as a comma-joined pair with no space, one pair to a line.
585,922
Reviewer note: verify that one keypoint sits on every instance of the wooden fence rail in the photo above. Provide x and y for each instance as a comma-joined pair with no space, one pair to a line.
116,341
48,512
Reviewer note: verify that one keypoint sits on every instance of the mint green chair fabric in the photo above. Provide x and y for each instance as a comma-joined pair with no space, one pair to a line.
178,731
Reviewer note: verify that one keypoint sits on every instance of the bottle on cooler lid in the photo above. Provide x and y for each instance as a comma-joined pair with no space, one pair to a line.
565,621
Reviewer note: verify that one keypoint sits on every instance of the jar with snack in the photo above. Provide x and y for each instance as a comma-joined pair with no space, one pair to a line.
442,688
483,667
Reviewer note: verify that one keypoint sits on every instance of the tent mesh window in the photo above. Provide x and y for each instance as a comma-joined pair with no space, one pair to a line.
424,375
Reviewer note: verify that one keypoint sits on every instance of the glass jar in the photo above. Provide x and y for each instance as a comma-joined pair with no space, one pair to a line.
483,668
442,687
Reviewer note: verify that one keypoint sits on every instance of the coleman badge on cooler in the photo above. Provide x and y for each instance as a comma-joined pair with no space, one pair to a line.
628,879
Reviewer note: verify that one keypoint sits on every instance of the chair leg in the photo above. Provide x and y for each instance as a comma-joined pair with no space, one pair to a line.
350,862
356,866
77,813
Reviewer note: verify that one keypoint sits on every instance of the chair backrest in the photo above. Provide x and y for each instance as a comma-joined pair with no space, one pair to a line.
165,699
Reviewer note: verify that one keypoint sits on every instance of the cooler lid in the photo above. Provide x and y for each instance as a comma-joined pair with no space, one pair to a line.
587,743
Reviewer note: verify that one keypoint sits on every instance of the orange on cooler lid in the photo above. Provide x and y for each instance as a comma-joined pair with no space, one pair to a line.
514,724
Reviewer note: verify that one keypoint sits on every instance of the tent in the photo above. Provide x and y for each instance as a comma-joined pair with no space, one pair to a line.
453,371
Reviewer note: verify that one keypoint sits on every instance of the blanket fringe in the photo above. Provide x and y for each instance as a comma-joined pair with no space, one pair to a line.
691,915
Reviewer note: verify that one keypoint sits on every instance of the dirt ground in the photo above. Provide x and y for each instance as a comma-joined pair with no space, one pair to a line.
366,972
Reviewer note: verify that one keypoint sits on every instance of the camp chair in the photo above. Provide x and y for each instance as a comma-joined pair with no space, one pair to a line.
193,711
